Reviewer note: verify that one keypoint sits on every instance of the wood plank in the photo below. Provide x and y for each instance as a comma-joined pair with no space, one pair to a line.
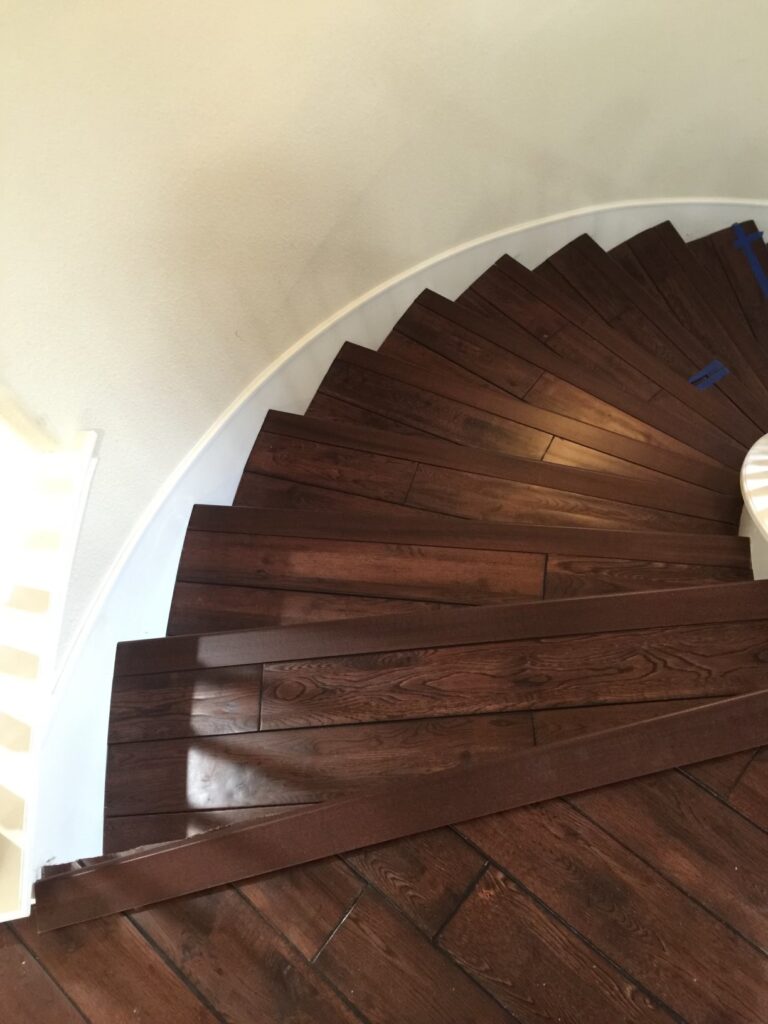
391,973
590,377
448,574
750,795
113,975
693,549
206,608
684,287
325,407
399,346
653,330
569,576
554,501
750,296
220,935
695,841
306,903
313,448
535,965
474,415
199,702
727,602
297,766
625,909
132,831
29,994
426,876
417,805
644,665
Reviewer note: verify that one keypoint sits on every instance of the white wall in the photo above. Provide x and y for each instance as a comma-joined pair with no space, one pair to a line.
191,186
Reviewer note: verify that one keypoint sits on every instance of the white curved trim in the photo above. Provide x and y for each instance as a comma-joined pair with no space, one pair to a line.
754,490
126,606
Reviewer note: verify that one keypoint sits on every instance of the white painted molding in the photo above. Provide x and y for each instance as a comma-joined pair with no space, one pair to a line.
134,598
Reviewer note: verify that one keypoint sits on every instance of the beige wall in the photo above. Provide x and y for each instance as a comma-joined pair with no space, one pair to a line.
190,186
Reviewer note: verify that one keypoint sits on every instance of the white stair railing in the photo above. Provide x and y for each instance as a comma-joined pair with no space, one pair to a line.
44,488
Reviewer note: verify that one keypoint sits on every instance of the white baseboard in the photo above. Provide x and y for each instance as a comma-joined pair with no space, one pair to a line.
134,599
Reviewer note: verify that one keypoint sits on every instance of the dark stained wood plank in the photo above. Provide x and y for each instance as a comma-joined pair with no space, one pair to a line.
442,417
306,903
436,573
750,794
566,453
535,966
430,801
678,662
325,407
629,912
477,374
28,993
691,549
392,974
669,352
569,576
220,935
426,876
205,608
202,702
553,502
728,602
132,831
265,492
474,415
721,774
287,440
694,840
590,378
114,976
746,288
298,765
685,288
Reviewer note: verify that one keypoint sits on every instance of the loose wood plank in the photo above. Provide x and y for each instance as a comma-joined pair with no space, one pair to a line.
283,840
727,602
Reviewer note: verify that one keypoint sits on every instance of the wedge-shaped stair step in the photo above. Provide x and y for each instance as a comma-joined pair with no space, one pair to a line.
678,285
435,475
472,414
243,567
235,852
621,337
432,319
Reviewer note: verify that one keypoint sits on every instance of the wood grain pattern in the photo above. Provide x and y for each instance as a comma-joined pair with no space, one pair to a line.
750,794
535,966
728,602
695,841
425,875
29,993
132,831
132,982
581,577
306,903
392,974
219,934
674,662
590,377
652,930
378,815
299,765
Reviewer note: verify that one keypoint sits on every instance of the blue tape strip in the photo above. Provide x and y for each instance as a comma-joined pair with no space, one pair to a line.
744,242
711,374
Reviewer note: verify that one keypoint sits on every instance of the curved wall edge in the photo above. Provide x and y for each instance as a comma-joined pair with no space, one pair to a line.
133,599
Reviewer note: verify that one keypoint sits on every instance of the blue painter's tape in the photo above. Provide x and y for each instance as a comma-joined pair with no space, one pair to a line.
711,374
744,242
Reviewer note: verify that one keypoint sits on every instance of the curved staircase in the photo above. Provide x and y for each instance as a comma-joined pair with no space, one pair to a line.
494,570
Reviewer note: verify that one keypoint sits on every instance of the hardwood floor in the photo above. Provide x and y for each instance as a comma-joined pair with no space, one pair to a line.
459,717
